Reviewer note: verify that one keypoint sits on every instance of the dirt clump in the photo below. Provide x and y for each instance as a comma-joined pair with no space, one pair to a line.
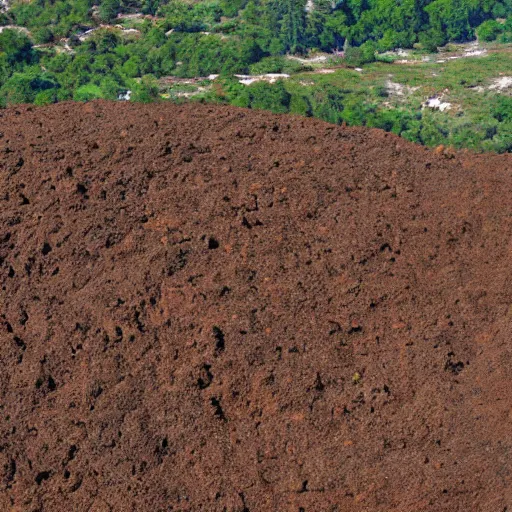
213,309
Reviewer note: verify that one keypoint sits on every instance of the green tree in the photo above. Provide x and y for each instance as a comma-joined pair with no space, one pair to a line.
110,88
265,96
146,90
106,40
327,103
131,68
431,39
489,30
293,24
319,33
24,87
46,97
109,9
43,35
87,92
300,105
17,47
357,56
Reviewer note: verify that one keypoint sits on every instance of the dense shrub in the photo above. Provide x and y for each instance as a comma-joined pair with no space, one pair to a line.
489,30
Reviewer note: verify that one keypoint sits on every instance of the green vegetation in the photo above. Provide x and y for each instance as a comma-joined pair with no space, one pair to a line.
60,51
391,97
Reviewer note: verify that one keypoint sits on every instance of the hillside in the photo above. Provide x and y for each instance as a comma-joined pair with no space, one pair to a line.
212,309
372,64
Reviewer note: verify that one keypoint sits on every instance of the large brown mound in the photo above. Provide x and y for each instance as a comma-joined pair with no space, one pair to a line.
211,309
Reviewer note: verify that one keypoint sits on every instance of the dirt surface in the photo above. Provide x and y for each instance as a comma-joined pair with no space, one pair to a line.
212,309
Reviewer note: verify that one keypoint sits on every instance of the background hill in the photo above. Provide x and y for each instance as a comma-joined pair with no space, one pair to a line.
343,62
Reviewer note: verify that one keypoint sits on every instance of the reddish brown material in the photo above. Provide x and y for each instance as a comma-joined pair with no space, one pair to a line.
211,309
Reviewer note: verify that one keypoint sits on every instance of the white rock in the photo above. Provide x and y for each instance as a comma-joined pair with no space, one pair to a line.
500,84
125,97
435,103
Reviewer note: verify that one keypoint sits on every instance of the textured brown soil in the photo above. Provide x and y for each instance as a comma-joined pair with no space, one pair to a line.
211,309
